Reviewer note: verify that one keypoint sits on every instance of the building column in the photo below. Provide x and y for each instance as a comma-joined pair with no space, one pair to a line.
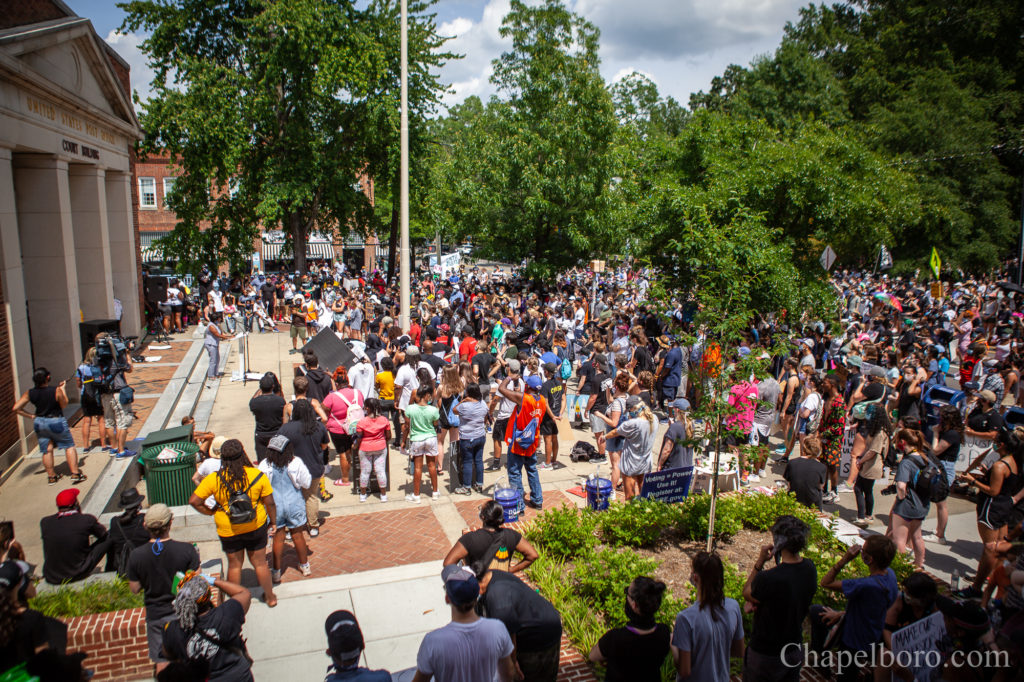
16,370
48,256
123,253
87,186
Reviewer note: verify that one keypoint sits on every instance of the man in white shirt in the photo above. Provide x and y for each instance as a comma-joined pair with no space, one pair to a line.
406,382
470,648
361,376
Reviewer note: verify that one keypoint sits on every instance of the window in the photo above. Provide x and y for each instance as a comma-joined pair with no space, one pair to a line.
168,188
147,192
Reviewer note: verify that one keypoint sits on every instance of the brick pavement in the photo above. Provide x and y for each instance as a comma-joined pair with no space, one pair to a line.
364,542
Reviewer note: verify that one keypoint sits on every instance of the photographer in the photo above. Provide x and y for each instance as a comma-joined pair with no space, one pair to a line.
115,394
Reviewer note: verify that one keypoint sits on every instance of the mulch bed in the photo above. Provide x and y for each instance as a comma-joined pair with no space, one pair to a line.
676,553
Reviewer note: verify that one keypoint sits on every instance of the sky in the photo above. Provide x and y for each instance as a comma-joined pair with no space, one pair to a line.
680,44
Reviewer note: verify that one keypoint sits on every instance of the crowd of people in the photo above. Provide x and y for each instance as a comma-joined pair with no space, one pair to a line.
490,355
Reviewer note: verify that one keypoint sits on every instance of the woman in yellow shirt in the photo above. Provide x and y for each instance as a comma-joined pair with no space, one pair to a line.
246,537
385,382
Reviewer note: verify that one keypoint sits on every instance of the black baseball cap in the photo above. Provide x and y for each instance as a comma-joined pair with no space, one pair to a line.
344,638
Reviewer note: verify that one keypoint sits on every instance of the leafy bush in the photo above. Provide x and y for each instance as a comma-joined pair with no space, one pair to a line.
603,579
693,517
638,523
583,625
760,511
69,601
564,532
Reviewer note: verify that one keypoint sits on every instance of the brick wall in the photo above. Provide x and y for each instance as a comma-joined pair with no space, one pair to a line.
8,420
21,12
115,642
148,219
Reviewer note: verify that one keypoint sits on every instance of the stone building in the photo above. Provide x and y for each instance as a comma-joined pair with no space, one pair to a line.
68,244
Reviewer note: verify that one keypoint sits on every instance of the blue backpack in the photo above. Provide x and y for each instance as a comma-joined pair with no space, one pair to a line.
565,371
453,419
525,437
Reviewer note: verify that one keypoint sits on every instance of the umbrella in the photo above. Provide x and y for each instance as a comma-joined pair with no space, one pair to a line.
1010,286
890,299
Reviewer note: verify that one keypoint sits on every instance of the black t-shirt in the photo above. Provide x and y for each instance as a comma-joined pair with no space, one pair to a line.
155,572
435,362
224,624
602,382
478,541
29,634
954,439
267,292
483,362
985,421
307,445
527,616
634,658
806,476
45,401
784,595
644,362
131,531
586,373
552,390
66,538
269,412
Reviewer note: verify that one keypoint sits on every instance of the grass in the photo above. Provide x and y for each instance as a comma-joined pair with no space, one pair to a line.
69,601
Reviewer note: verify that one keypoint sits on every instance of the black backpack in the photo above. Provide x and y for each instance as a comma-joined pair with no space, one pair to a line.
582,451
930,482
240,508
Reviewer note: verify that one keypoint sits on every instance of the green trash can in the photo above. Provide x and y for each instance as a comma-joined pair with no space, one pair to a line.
170,480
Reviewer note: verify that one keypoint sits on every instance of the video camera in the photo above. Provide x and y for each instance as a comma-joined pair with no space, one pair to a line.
111,348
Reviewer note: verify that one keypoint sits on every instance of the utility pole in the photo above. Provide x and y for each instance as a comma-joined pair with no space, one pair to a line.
405,298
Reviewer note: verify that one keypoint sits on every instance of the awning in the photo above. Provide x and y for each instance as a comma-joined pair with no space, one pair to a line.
150,253
274,250
320,250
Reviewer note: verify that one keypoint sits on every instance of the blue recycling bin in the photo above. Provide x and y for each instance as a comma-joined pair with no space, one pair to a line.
1014,417
937,396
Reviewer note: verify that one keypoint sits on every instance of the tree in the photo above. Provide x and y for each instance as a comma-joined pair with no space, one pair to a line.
268,106
534,178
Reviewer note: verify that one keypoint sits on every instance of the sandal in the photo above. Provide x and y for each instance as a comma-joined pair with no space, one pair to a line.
52,480
338,481
79,477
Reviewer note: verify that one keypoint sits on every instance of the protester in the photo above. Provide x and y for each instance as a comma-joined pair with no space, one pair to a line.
309,440
127,531
23,631
635,652
677,444
945,449
69,554
492,546
345,647
289,477
211,342
710,631
245,503
267,406
151,570
521,434
806,475
637,432
340,423
472,414
869,465
50,424
371,447
910,508
469,647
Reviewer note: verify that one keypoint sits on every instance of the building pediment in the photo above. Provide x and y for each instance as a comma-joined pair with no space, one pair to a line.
66,56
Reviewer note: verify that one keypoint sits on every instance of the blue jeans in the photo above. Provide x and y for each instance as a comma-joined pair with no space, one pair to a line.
515,476
473,456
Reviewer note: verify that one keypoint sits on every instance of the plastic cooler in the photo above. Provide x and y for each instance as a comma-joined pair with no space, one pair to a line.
170,480
937,396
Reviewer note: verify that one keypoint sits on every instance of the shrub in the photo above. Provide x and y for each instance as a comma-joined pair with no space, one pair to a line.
583,624
693,517
603,579
69,601
638,523
563,532
759,511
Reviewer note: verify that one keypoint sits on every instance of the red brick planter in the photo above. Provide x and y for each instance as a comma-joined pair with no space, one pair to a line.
115,642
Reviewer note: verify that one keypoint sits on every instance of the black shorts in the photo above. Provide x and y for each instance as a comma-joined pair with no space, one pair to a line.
342,441
994,512
548,426
792,408
252,541
499,429
91,407
734,441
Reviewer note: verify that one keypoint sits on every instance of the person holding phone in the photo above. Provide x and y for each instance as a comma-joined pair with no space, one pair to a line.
49,423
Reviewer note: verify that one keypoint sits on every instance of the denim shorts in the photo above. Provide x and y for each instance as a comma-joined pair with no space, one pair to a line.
950,469
54,429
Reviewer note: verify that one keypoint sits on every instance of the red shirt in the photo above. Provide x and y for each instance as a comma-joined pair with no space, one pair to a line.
467,349
414,333
533,407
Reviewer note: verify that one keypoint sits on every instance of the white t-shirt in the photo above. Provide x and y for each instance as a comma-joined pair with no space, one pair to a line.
361,377
209,466
406,378
812,403
464,652
506,406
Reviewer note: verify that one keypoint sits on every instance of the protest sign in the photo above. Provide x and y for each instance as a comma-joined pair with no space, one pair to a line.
668,485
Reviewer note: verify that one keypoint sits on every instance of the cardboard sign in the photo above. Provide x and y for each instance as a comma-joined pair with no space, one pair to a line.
916,647
846,456
936,290
971,448
668,485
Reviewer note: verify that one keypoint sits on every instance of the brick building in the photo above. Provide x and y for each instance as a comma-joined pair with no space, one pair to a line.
68,243
155,177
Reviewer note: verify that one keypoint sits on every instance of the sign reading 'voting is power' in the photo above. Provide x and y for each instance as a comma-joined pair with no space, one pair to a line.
669,485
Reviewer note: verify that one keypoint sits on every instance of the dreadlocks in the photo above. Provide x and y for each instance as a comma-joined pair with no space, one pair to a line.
192,599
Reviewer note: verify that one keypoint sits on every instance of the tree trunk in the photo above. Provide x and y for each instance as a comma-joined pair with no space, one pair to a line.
393,242
298,241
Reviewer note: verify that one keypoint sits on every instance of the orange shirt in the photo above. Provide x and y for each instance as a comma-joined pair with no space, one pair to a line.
533,407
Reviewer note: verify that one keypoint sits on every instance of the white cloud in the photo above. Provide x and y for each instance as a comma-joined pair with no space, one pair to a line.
127,45
627,70
479,41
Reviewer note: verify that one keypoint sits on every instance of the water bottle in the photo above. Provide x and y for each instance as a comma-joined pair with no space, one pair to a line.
954,580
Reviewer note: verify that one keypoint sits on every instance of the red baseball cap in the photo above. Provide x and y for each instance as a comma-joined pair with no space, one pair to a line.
67,498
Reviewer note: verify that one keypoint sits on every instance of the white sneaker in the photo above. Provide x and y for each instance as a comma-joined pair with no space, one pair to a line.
435,495
932,537
762,473
383,497
754,478
362,497
844,487
306,570
412,498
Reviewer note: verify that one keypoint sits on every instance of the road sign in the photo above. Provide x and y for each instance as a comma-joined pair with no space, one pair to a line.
936,263
828,257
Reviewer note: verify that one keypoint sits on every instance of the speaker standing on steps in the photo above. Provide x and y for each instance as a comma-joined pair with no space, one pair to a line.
89,329
155,289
